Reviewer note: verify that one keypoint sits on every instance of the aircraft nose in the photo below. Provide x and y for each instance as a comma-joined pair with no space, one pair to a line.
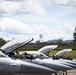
30,68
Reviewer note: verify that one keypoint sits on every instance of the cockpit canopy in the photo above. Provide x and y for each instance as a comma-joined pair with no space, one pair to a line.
14,44
36,55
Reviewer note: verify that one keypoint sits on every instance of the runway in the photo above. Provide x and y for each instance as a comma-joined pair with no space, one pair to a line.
68,72
71,72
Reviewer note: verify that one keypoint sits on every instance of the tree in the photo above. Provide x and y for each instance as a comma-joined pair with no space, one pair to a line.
2,41
41,37
74,34
59,41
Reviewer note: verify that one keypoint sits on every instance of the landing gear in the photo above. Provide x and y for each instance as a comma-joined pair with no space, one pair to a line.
60,73
56,74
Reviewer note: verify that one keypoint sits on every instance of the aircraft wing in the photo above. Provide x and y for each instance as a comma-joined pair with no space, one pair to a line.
15,44
47,49
63,52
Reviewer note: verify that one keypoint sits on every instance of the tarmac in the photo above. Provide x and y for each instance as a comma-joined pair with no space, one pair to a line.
71,72
68,72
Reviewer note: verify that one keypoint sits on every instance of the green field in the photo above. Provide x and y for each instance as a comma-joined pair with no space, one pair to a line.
71,54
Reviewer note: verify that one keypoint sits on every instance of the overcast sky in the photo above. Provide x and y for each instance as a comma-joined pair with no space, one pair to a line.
53,19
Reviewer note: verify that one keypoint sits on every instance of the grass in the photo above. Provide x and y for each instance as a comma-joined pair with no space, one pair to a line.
71,54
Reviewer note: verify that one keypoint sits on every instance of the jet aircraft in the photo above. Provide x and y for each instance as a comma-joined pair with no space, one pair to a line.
39,64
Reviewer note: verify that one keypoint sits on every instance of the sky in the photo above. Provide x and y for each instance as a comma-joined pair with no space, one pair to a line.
52,19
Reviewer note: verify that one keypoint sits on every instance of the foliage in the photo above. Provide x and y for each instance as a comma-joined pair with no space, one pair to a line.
2,41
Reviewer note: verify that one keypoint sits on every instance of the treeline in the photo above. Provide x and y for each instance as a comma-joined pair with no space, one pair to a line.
37,45
2,41
61,45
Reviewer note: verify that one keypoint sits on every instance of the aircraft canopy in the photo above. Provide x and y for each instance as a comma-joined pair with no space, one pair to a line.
15,44
63,52
47,49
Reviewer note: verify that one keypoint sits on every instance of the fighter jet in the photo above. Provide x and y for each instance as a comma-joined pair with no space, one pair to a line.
29,64
11,66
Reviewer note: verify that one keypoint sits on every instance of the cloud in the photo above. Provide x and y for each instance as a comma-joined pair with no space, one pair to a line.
14,7
69,26
13,0
71,3
7,8
34,6
69,30
61,1
11,28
